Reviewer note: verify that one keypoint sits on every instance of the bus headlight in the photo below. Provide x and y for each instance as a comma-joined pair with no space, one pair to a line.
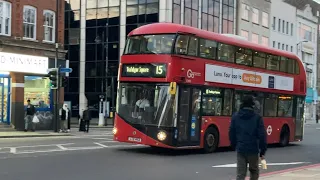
162,136
115,130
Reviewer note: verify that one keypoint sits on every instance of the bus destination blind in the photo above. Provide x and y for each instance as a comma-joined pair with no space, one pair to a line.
144,70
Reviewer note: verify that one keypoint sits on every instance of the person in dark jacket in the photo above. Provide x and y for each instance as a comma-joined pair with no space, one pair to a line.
248,136
87,118
30,111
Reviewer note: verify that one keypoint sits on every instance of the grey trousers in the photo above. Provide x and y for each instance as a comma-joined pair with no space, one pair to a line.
242,166
28,120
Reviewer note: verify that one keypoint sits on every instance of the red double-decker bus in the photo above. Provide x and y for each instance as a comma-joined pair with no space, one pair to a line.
178,87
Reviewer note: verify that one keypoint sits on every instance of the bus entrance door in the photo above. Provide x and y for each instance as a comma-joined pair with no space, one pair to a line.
189,116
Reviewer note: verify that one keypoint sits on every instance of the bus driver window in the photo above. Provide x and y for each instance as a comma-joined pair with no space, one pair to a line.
140,106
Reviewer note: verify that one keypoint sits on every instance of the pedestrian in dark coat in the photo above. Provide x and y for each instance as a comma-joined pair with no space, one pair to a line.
248,136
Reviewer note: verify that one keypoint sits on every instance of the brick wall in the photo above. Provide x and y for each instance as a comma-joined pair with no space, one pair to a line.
41,5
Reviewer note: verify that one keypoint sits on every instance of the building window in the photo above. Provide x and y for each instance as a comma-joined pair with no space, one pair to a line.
305,32
274,23
291,48
176,12
278,45
282,46
255,15
245,12
191,13
265,19
283,26
5,18
273,44
49,25
291,29
279,25
29,22
255,38
287,47
265,41
245,34
287,28
36,89
227,16
210,15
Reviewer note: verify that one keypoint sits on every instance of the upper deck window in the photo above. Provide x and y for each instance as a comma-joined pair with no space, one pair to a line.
226,52
244,56
150,44
182,44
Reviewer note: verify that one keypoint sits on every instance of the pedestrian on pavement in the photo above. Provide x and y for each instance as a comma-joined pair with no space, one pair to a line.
86,115
317,118
30,112
248,136
64,117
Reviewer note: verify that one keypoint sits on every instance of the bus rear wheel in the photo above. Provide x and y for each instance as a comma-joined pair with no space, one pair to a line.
284,136
211,140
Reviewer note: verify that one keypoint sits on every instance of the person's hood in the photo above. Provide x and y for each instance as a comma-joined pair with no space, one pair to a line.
246,113
65,107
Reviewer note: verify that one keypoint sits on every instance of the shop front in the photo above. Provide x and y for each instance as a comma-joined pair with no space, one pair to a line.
22,78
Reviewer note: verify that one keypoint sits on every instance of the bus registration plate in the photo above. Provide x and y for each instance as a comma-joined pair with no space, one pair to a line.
134,139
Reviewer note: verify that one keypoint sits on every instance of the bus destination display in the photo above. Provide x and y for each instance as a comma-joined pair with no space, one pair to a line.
144,70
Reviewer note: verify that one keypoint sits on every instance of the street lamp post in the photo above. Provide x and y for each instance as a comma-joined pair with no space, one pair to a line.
56,101
104,55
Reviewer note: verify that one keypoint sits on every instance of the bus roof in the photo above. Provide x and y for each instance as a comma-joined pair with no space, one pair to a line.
170,28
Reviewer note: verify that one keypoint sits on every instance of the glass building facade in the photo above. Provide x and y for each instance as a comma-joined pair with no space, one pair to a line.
95,33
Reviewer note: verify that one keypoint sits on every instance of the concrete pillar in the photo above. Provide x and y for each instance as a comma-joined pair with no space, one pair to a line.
182,12
82,97
17,101
220,18
123,18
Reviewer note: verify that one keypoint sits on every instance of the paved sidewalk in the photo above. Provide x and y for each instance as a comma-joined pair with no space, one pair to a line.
21,134
311,172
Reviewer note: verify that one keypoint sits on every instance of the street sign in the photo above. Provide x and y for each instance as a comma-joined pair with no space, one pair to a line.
65,70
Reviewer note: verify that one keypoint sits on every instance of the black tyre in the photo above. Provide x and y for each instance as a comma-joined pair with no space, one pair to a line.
211,140
284,136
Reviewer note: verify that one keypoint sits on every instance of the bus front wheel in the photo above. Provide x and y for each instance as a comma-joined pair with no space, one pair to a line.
211,140
284,136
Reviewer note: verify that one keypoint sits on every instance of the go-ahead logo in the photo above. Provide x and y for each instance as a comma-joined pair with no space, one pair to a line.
191,74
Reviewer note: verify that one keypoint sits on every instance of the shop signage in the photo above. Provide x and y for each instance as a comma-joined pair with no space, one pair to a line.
10,62
227,75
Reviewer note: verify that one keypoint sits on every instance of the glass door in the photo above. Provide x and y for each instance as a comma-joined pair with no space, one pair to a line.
189,116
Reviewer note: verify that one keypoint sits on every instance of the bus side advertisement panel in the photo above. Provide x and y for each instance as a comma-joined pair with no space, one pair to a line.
229,75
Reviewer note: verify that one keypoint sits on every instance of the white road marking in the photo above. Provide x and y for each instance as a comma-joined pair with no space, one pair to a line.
116,146
102,145
102,138
60,150
61,147
270,164
45,145
108,141
13,150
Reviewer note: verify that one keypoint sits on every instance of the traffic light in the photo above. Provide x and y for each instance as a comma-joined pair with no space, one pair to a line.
53,75
64,81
